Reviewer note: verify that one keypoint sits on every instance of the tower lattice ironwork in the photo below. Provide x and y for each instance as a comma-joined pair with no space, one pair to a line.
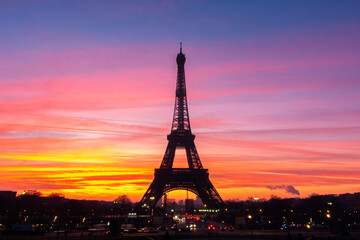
194,178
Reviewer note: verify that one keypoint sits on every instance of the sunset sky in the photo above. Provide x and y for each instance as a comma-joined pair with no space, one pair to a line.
87,94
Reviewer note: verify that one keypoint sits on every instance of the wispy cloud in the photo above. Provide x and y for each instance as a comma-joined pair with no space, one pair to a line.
289,189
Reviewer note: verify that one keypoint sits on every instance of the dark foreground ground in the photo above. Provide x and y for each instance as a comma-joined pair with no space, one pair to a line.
200,235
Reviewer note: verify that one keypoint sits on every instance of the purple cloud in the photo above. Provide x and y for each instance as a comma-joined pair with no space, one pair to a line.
290,189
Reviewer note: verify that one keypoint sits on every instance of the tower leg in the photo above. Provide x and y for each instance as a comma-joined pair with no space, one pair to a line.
192,156
169,155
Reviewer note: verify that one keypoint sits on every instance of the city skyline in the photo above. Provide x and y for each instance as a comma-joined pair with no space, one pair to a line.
87,93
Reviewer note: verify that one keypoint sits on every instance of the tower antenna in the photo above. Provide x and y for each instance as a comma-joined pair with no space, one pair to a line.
180,47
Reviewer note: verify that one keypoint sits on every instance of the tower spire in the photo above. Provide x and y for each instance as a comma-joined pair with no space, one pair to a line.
180,47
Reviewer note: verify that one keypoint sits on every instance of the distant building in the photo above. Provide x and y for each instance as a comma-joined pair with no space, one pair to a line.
189,205
170,203
198,203
7,195
351,201
181,202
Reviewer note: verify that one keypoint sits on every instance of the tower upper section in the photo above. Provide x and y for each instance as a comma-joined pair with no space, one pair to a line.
181,121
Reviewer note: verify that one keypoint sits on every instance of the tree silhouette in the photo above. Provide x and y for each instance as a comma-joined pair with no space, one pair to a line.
124,199
32,192
56,195
122,204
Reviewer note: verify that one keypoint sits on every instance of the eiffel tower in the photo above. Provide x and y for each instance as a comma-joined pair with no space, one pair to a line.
194,178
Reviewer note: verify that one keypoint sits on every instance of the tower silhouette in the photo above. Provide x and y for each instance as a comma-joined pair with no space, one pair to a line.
194,178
